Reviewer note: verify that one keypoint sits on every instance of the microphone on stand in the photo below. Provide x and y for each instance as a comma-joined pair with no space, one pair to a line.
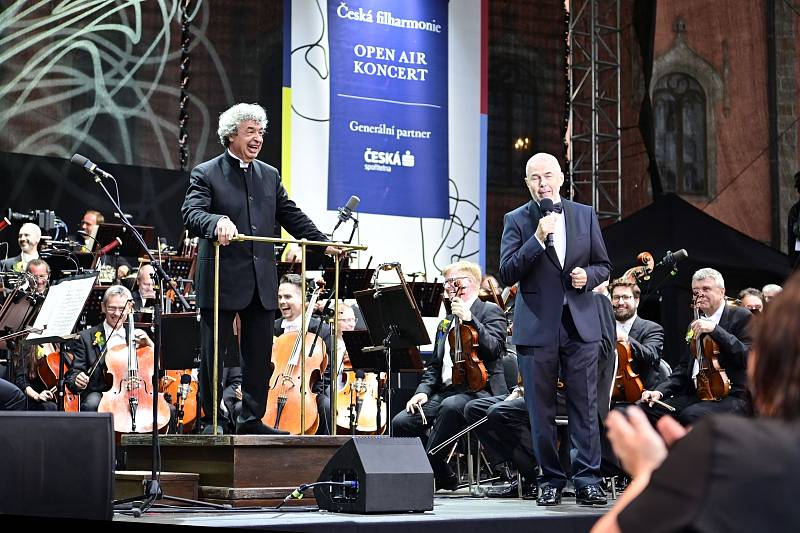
346,212
671,258
108,247
183,393
89,167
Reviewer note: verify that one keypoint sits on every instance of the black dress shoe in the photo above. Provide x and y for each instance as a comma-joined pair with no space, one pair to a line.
504,491
591,495
447,482
258,428
529,491
549,496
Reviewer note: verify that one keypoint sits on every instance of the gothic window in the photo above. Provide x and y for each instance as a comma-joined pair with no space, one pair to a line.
680,124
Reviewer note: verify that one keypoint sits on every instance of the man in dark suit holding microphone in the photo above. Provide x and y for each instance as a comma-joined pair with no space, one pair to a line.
555,251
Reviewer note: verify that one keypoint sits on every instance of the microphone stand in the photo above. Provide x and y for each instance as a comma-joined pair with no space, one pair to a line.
152,489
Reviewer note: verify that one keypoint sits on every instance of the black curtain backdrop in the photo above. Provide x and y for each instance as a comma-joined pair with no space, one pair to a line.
644,23
153,196
669,224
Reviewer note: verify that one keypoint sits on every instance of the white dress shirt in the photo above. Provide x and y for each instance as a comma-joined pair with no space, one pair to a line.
447,361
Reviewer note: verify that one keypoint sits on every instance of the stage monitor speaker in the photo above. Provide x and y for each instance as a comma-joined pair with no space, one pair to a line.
57,464
393,476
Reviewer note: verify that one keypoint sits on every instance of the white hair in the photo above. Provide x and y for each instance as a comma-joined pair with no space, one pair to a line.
705,273
33,229
549,158
230,119
772,288
116,290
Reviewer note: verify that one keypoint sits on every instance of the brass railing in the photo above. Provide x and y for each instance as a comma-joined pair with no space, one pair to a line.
334,363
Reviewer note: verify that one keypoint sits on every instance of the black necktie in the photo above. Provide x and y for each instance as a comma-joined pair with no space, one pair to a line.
558,208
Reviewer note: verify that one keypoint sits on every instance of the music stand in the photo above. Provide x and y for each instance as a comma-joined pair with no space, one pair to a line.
350,280
130,246
178,267
176,352
394,324
92,312
58,315
428,296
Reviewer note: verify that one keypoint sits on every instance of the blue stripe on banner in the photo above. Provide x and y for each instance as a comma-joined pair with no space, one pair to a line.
388,127
287,43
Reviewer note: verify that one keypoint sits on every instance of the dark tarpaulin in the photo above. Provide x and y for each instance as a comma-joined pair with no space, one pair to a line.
669,224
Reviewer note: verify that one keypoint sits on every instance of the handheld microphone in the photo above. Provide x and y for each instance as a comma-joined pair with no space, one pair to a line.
108,247
89,167
4,223
346,212
672,258
183,388
546,205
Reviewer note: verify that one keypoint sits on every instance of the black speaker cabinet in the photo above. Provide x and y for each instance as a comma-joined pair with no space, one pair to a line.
393,475
57,464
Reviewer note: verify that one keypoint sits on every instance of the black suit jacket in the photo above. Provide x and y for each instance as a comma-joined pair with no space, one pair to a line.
86,351
543,283
492,326
734,340
607,354
253,201
647,343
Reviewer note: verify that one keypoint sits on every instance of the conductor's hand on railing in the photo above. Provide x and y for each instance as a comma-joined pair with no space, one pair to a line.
334,250
419,399
226,230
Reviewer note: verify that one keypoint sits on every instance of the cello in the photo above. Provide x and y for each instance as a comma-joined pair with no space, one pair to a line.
712,380
468,368
628,386
284,393
47,368
130,399
357,403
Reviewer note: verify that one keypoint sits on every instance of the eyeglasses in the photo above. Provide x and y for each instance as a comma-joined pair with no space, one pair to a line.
621,298
111,309
451,281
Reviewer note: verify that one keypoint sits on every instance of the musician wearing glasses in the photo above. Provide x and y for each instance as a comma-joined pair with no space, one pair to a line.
442,394
646,338
727,326
555,251
93,342
752,299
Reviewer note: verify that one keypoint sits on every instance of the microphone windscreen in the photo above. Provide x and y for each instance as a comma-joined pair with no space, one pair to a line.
186,379
680,254
79,160
546,204
353,202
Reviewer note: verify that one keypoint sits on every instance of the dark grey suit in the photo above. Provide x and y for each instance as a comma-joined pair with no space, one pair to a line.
647,343
254,199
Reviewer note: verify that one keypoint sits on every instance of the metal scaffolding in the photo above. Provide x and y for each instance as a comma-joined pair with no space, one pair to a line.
595,150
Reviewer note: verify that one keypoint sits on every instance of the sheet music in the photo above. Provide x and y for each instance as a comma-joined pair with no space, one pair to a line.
61,309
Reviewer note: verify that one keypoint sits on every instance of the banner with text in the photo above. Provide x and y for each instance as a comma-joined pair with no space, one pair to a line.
388,113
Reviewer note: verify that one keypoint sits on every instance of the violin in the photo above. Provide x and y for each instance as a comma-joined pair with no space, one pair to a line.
47,368
468,368
712,381
130,398
357,403
284,394
628,386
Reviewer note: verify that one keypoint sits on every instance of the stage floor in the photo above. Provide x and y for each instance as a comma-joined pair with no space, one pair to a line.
479,515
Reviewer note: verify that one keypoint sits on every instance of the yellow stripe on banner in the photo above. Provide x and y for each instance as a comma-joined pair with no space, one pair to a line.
286,144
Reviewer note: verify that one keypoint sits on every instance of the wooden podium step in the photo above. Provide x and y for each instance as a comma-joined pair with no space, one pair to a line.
238,461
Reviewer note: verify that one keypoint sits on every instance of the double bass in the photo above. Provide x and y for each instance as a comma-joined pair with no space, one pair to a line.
712,381
284,395
468,368
130,398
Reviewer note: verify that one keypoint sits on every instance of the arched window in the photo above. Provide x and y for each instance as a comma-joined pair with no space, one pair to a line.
679,103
